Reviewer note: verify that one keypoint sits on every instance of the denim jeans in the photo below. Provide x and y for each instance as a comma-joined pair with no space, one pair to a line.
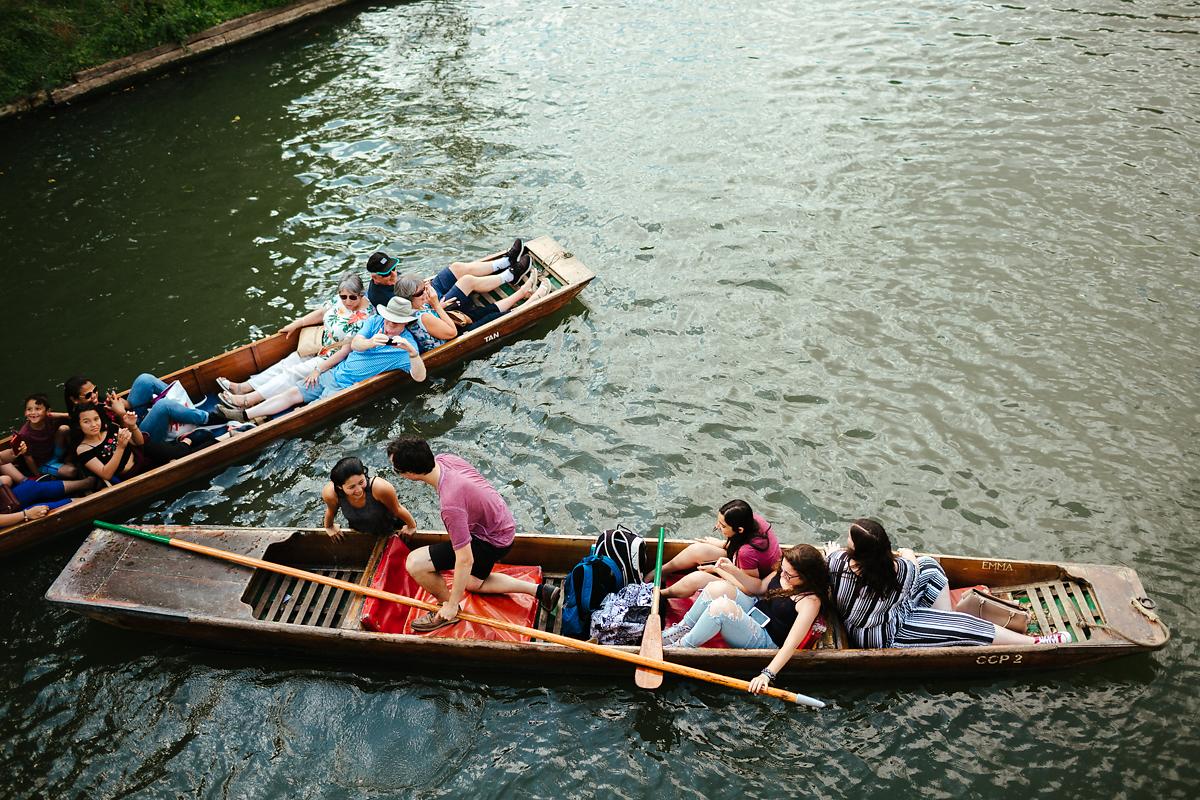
157,419
738,631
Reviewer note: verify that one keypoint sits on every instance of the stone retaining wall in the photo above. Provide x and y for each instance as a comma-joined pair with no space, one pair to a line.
130,68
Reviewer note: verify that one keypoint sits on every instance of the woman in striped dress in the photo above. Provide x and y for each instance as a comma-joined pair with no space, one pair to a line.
889,601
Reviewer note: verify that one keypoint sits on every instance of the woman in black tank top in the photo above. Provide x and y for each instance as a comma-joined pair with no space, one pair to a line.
369,504
783,610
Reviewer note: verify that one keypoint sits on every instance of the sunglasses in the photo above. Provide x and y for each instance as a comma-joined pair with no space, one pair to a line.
92,393
348,296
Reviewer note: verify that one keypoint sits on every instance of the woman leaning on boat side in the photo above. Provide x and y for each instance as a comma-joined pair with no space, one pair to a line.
794,598
369,504
340,321
904,601
746,539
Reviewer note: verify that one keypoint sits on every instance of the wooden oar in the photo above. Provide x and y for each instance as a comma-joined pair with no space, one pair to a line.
652,635
566,641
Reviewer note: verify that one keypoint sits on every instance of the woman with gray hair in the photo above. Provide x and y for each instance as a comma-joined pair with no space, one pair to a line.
340,321
436,323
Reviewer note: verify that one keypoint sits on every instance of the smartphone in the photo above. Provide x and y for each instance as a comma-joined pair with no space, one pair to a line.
759,617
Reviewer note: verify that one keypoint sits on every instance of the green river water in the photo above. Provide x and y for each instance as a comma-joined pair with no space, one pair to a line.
933,262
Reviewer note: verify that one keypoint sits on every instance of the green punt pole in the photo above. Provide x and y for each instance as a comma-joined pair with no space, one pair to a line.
546,636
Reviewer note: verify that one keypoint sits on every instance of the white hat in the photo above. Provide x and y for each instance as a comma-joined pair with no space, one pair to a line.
398,310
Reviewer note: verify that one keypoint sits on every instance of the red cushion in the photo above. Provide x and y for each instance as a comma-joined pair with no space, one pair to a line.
388,617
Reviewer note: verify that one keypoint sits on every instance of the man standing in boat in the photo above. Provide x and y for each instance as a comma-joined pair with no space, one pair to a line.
481,529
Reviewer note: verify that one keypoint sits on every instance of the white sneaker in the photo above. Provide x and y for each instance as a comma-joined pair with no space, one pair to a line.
674,634
1062,637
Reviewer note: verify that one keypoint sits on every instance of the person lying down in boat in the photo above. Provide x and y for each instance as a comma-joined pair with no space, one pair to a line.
785,610
886,600
481,529
369,504
381,346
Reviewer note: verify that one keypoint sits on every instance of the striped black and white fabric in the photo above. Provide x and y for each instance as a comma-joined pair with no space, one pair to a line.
903,618
624,547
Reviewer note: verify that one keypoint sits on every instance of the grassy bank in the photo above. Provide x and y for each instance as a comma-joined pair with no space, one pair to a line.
42,42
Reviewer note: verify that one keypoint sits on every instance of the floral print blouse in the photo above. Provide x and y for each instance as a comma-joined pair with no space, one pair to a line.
341,324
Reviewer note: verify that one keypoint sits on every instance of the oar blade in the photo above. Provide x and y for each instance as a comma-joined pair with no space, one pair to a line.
651,648
652,636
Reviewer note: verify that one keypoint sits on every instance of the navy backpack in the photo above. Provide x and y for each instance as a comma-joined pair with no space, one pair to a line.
587,584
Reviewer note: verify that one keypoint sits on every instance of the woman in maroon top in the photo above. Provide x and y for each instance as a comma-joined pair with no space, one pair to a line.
746,540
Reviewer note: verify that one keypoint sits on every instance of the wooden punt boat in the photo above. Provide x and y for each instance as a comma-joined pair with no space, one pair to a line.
567,275
143,586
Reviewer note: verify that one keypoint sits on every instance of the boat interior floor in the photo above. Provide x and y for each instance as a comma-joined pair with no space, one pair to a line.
1058,605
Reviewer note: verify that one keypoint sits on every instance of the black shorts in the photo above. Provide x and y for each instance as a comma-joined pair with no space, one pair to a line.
485,555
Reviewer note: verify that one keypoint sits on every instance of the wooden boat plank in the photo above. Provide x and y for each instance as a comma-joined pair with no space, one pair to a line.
1035,603
271,583
305,592
1071,613
282,597
322,598
1056,620
329,604
183,594
1079,595
337,599
364,579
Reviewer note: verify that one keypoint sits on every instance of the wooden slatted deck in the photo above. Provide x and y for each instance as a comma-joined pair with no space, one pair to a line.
280,598
1057,606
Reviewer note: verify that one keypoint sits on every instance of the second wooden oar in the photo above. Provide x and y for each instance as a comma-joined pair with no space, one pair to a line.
652,635
566,641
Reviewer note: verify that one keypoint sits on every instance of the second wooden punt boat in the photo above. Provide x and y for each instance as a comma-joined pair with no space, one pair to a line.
149,587
568,277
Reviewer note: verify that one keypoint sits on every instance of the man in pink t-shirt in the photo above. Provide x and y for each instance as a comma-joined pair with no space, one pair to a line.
481,530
